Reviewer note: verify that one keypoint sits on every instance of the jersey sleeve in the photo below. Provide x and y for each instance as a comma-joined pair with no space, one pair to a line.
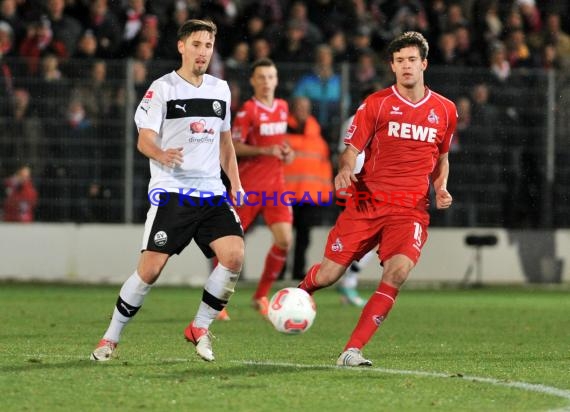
226,122
361,130
241,125
450,131
152,109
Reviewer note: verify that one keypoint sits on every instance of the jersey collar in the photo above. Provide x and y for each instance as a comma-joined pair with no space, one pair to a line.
406,101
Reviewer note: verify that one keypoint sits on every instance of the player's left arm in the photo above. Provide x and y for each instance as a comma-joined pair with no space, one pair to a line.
440,173
439,177
228,162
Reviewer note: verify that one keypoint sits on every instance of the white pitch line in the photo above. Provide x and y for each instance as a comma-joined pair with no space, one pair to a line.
525,386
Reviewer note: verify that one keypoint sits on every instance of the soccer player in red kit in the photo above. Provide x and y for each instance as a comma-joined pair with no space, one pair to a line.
405,132
259,132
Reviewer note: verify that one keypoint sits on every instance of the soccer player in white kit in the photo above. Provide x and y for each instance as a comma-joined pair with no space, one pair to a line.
184,129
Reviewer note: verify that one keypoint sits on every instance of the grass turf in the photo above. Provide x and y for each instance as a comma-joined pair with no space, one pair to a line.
469,350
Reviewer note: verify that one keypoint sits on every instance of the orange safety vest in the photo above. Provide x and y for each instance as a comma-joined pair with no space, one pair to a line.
310,173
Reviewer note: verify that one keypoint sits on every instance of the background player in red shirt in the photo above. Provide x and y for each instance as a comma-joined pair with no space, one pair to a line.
259,132
405,131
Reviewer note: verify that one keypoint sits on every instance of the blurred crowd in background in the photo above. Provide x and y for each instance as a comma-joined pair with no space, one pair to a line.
61,74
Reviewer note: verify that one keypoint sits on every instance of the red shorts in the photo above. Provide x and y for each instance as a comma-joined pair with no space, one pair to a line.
394,229
272,211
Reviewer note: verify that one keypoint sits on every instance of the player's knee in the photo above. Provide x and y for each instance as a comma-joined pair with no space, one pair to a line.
285,243
396,275
232,258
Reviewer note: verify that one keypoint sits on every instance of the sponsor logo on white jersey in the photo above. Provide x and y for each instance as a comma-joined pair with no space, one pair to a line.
183,107
412,131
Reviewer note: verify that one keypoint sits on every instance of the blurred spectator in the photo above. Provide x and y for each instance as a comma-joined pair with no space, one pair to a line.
323,87
466,54
294,45
95,207
65,28
253,28
446,51
86,46
239,59
299,18
552,34
39,41
338,43
106,28
20,134
487,25
9,14
261,49
360,40
6,39
463,123
179,13
310,174
132,21
21,196
96,92
532,22
518,52
498,62
365,76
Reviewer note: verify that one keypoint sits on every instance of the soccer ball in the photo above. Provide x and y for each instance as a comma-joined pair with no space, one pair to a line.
292,310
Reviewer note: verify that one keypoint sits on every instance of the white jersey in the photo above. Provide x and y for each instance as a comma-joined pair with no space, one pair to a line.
192,118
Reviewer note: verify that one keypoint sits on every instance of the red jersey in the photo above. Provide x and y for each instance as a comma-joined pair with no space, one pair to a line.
259,125
402,142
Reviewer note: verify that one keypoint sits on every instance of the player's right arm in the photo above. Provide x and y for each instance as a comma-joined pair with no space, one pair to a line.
149,117
146,144
346,163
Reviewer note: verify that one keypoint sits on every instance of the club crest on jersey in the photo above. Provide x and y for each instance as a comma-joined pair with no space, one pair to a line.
283,115
395,110
160,238
432,117
337,245
217,106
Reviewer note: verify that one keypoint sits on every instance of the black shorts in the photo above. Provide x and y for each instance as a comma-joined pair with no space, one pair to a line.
170,227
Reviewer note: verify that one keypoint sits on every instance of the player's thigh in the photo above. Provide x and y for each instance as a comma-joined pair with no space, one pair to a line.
351,237
282,234
220,221
277,213
169,228
403,236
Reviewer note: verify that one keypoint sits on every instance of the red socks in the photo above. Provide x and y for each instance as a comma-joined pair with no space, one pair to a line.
274,263
373,314
309,283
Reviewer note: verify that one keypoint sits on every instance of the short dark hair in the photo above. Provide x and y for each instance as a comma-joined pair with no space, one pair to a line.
263,62
190,26
409,39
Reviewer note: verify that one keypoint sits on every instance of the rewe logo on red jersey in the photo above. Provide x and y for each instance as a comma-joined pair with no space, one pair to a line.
412,131
272,129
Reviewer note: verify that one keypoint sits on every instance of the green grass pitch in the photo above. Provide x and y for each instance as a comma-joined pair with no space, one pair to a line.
490,349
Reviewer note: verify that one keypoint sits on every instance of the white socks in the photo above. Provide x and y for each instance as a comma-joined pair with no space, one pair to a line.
218,290
130,300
